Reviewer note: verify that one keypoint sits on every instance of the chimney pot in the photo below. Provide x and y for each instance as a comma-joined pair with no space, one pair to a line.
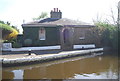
57,9
54,9
56,13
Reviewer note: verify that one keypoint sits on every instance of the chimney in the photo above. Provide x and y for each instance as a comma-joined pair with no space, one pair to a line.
56,13
57,9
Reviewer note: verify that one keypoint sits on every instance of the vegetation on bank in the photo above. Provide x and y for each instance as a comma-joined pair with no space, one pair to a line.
9,33
107,34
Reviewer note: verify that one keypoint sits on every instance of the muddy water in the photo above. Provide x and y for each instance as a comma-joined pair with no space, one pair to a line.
100,66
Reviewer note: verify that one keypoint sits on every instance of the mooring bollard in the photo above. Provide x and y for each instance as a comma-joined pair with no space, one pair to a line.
29,51
82,47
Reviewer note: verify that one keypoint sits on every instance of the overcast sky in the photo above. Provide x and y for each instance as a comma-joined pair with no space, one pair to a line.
15,11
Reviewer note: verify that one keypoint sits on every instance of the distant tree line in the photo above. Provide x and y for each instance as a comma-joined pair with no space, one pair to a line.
41,16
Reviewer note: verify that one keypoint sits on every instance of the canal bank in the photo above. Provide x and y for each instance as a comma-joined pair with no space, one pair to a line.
99,66
23,59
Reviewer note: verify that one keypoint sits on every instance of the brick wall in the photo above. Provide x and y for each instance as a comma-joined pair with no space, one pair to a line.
84,36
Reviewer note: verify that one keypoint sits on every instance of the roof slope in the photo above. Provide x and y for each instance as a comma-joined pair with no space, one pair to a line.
63,21
56,21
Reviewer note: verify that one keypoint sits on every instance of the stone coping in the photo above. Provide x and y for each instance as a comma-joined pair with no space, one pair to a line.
57,47
21,59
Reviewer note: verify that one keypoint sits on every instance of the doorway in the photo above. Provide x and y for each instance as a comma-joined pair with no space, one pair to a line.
66,36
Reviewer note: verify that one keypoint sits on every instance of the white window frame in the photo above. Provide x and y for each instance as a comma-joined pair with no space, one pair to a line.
81,38
42,34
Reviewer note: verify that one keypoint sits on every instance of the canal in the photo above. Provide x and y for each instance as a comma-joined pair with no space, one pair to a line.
95,66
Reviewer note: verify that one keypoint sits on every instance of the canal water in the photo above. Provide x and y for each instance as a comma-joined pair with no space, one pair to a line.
95,66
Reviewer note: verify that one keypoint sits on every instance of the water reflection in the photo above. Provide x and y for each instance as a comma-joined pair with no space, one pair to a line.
79,68
7,75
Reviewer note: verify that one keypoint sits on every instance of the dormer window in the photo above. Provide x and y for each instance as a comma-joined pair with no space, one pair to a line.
42,33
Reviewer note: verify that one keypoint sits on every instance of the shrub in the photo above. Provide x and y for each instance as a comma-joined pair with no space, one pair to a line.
109,34
13,34
8,32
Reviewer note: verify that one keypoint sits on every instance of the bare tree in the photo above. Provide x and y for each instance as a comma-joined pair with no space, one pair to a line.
113,17
118,20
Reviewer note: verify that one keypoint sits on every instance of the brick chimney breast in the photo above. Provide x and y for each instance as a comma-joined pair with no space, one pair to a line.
56,13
